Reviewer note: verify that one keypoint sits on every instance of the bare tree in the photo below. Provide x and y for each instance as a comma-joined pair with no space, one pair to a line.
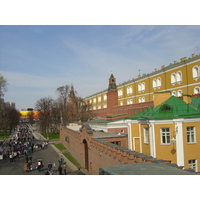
55,116
63,95
44,106
3,86
11,118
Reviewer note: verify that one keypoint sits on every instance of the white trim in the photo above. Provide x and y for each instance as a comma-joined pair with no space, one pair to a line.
139,124
179,144
152,140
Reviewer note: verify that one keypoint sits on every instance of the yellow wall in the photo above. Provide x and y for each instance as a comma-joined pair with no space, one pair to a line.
165,151
191,151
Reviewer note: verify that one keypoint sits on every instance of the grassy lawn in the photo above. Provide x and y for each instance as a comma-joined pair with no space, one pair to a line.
60,147
4,135
68,155
52,136
72,160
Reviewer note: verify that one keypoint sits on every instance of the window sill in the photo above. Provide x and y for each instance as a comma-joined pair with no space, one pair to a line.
191,142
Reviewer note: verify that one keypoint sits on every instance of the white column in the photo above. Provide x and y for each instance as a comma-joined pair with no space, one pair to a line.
152,140
179,144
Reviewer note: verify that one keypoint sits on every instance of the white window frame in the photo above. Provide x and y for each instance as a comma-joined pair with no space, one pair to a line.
139,87
192,164
196,90
174,93
196,72
105,97
165,136
173,78
191,134
120,93
159,82
143,87
99,99
94,100
154,83
179,77
146,135
180,93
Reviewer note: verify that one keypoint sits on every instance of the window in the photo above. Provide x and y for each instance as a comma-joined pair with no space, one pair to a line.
158,82
140,100
120,93
121,103
174,93
105,97
154,83
146,135
166,107
129,90
180,93
191,138
165,136
192,164
179,77
99,99
94,100
196,72
130,101
196,90
143,86
143,99
139,87
173,78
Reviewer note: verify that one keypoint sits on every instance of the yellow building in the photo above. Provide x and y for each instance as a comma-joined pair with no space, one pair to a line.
180,78
169,130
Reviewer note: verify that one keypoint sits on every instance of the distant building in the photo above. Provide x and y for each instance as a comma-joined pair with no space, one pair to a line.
9,104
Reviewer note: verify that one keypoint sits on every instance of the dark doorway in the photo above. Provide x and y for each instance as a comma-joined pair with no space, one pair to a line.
86,154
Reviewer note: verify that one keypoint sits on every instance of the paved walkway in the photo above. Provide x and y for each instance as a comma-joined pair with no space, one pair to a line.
73,168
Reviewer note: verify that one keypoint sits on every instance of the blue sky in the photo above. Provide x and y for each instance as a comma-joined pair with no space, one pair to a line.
36,60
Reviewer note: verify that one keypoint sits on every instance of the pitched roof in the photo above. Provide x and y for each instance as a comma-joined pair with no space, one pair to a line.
170,109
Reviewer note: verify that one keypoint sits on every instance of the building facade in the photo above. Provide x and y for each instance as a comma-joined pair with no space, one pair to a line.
169,130
179,78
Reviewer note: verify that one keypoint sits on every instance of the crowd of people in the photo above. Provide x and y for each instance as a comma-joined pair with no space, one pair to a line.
22,143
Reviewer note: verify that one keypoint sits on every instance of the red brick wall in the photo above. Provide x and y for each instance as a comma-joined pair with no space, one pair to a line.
129,109
101,153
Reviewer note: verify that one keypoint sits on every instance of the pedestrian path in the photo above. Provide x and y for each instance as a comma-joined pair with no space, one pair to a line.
73,168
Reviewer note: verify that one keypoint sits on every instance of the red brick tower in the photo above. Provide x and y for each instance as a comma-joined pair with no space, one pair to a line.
112,95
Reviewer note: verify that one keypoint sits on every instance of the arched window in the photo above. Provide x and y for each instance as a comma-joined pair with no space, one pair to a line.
173,78
139,87
174,93
129,90
140,100
180,93
154,83
195,71
159,82
179,77
120,93
143,99
196,90
143,86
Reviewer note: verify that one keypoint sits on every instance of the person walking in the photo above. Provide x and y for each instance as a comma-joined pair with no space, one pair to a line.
64,168
60,169
54,167
49,165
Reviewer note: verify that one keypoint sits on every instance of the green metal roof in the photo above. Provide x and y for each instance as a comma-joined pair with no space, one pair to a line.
171,109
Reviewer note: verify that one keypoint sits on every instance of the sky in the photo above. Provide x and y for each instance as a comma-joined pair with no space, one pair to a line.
36,60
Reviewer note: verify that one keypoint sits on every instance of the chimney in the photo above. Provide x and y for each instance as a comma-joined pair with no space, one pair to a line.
160,97
187,98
